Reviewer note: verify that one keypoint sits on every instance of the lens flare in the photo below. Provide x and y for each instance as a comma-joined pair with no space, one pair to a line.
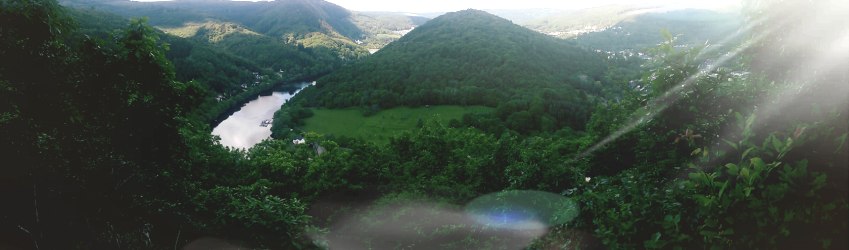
660,103
522,210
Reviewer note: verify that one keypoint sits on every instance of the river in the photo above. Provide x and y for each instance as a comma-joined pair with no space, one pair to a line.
243,128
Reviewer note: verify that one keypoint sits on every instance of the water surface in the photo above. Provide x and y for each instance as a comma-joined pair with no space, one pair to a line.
242,129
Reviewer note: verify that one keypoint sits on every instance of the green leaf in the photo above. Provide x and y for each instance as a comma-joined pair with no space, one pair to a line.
746,153
732,144
697,151
750,121
776,144
722,190
819,181
705,201
788,216
758,164
732,169
744,172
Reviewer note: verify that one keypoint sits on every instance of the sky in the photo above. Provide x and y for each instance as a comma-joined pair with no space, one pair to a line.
426,6
422,6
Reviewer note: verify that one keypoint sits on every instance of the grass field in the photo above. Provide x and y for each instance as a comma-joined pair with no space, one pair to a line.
383,125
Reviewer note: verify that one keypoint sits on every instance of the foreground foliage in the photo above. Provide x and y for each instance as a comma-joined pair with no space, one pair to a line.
103,153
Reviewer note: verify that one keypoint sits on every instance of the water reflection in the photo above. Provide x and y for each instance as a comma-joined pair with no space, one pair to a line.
243,129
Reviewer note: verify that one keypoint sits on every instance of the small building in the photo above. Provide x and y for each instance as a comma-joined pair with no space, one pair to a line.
299,140
265,123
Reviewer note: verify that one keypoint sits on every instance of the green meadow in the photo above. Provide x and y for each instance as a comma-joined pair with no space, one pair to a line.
383,125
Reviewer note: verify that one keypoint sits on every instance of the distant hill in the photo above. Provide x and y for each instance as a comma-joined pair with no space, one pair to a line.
297,38
307,22
570,23
523,16
274,18
468,57
381,28
690,26
634,26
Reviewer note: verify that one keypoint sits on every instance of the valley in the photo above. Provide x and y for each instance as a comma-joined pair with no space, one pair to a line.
313,124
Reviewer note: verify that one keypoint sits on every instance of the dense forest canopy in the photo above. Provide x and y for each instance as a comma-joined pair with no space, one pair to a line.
735,146
230,61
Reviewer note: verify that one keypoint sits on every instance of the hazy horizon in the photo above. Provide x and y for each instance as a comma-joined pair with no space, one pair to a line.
412,6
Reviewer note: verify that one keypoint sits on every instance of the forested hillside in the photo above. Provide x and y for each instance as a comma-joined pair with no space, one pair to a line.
472,58
223,73
226,80
232,63
275,18
300,39
310,23
746,147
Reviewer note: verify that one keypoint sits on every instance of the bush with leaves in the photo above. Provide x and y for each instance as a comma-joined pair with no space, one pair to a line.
768,198
250,212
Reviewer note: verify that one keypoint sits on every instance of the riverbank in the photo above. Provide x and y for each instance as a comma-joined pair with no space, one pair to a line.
249,125
215,113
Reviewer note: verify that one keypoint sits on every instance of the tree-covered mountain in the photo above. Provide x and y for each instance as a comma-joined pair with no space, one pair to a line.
276,25
227,80
232,62
222,72
472,57
311,23
273,18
